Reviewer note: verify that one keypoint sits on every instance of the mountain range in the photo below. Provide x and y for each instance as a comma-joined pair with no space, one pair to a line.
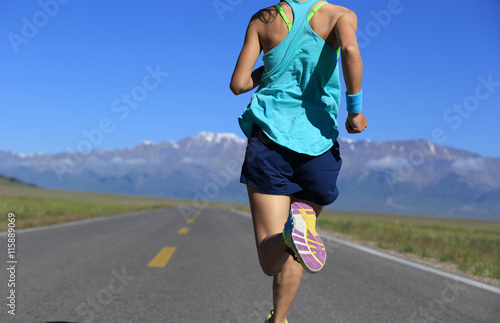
406,177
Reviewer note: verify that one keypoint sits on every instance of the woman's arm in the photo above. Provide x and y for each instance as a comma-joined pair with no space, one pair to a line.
244,79
352,65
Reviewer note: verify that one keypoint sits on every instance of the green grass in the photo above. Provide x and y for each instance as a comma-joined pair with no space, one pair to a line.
474,246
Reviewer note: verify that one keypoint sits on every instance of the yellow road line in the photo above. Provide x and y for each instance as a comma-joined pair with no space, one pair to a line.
194,217
162,257
183,230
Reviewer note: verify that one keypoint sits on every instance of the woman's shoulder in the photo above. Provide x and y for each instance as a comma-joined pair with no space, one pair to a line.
333,13
265,15
337,10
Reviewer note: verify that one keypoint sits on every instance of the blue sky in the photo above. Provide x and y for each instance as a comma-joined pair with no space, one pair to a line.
114,73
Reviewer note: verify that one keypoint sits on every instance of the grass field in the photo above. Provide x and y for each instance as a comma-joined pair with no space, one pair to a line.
474,246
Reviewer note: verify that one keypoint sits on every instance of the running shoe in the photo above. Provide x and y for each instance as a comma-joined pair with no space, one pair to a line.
301,237
270,316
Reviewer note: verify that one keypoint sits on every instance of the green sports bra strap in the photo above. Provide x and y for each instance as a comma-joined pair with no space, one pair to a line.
285,18
315,9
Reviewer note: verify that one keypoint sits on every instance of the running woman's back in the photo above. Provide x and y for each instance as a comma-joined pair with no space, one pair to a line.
298,99
273,29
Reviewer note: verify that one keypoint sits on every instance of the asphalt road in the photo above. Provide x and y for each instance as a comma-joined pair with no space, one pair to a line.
173,266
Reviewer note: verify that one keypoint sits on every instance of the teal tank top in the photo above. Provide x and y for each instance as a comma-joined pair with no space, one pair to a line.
297,102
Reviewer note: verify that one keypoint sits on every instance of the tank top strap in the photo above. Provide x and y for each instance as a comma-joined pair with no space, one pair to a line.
316,9
285,18
300,10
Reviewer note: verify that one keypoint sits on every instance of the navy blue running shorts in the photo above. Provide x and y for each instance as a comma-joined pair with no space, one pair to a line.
277,170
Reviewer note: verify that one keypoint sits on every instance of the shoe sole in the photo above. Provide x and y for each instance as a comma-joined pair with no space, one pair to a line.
307,244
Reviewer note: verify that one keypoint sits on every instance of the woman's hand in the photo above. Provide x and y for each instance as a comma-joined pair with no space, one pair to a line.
356,123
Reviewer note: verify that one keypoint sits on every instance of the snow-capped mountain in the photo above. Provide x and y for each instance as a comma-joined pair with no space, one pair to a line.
413,177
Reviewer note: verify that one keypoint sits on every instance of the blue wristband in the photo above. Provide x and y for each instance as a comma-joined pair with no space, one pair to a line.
354,102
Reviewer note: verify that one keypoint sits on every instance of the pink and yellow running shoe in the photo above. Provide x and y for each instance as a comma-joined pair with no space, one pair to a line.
301,237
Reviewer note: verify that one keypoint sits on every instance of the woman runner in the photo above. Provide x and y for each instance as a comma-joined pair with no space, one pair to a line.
292,159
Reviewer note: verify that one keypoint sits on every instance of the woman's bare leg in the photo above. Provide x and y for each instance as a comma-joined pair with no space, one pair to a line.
285,287
269,214
287,282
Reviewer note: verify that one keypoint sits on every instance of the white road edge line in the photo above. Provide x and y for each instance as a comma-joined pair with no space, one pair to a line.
406,262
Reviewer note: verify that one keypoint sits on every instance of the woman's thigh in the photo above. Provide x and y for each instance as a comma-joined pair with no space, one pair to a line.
269,213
